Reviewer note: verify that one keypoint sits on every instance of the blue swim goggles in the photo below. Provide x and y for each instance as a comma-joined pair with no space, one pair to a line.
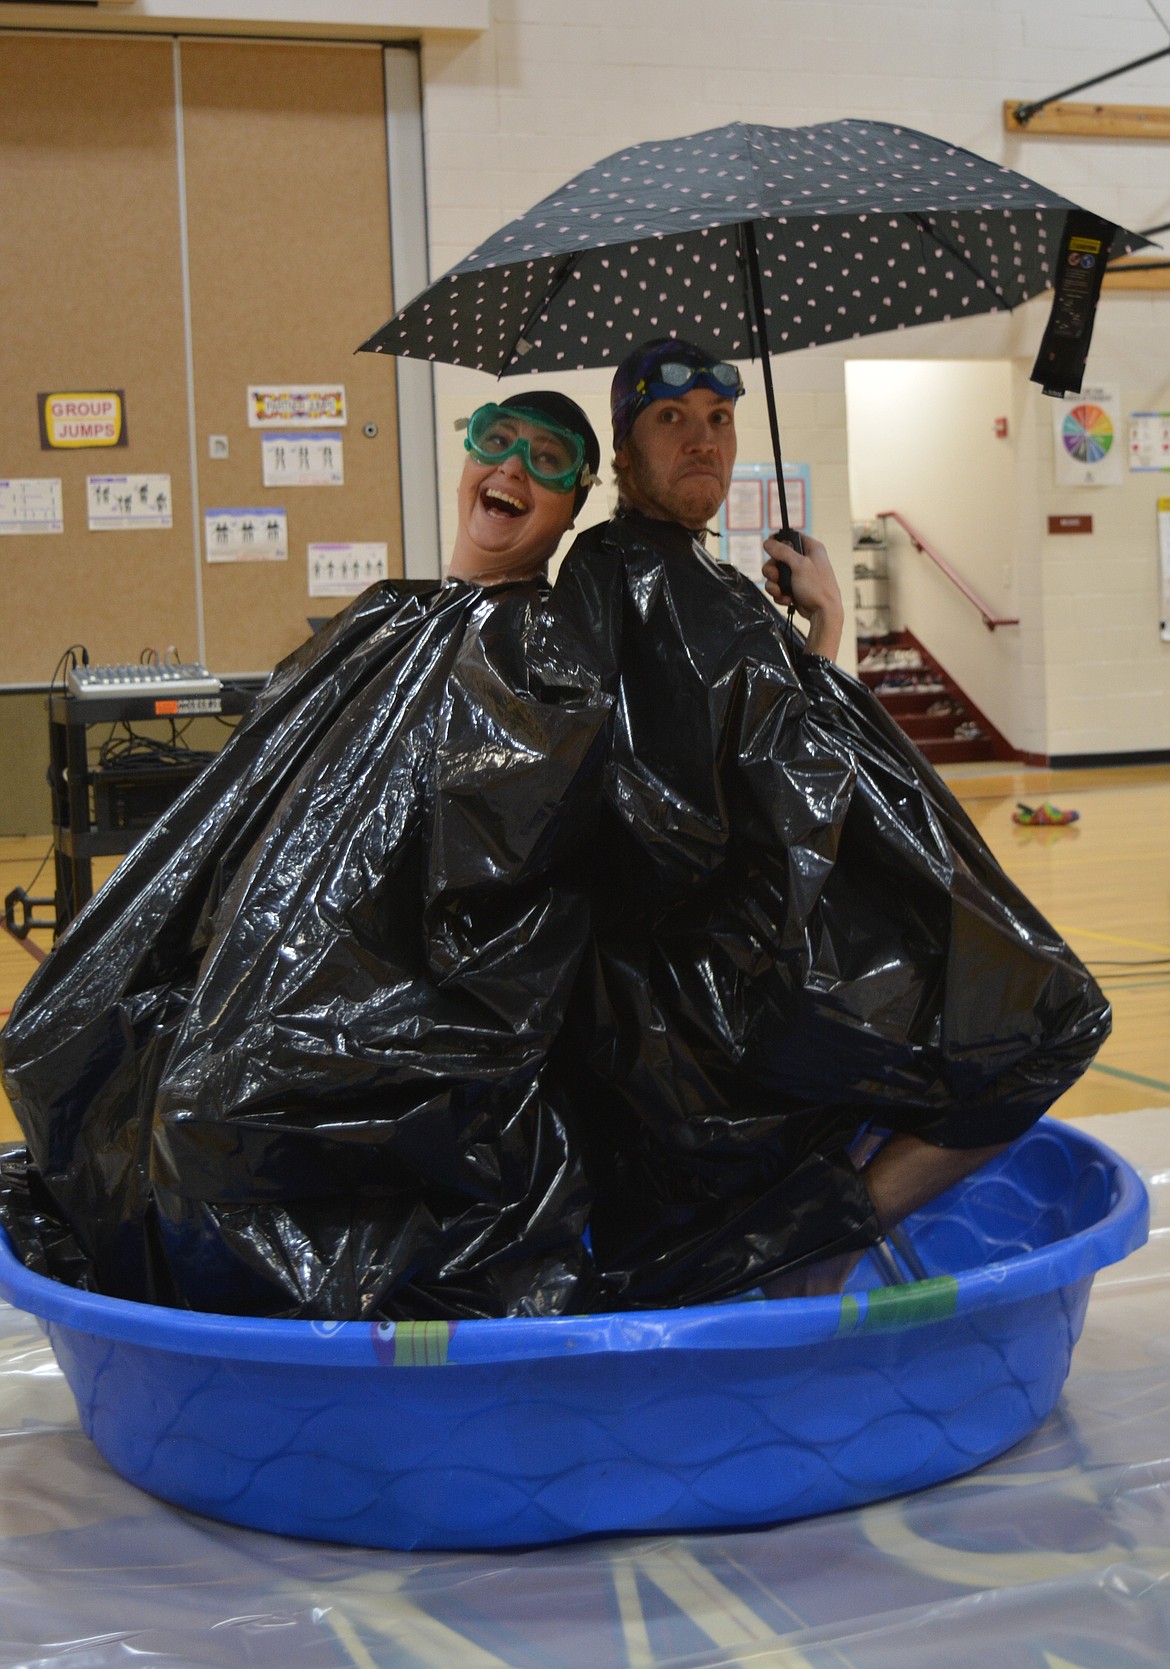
553,456
672,378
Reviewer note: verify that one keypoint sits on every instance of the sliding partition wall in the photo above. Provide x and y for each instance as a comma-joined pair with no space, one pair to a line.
181,221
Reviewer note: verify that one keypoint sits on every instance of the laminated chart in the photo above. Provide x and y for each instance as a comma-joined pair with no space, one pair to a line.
1149,441
115,503
239,535
302,460
31,505
1087,445
343,569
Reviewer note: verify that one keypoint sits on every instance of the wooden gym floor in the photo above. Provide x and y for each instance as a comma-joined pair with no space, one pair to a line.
1104,882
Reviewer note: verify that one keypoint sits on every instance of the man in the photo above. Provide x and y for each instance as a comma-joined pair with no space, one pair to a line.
673,408
783,953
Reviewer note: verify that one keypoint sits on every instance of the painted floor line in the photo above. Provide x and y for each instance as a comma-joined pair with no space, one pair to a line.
1130,1077
1111,939
1123,982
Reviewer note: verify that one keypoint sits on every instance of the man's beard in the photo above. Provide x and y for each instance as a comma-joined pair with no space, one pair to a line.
691,501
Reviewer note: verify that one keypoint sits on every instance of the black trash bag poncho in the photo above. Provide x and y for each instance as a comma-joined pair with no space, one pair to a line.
289,1060
615,907
797,932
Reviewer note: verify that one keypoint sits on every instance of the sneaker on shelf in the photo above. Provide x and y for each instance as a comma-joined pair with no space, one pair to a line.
969,731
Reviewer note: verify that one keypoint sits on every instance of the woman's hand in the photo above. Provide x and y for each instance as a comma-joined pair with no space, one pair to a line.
815,594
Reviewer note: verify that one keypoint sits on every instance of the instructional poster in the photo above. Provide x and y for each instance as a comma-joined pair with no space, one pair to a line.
302,460
1086,437
1149,441
751,511
31,505
236,535
116,503
342,570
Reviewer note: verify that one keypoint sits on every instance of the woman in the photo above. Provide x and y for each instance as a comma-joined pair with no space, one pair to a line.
290,1060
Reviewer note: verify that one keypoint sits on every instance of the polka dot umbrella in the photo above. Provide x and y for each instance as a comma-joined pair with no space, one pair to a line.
757,240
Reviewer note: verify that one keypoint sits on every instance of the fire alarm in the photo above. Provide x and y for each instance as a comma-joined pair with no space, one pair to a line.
1001,428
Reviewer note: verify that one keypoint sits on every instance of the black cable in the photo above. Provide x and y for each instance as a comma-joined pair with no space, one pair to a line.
1158,15
40,867
72,650
1024,112
131,749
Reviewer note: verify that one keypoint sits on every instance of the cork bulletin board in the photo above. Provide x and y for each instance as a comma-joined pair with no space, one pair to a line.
91,289
282,152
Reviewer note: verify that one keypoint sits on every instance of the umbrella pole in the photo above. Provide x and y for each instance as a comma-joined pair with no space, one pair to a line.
748,232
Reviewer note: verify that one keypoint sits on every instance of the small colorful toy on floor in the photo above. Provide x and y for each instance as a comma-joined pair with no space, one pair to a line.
1043,816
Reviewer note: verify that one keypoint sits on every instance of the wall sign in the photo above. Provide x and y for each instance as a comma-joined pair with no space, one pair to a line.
751,511
116,503
32,505
236,535
342,569
1070,524
97,418
308,405
1086,437
1149,441
302,460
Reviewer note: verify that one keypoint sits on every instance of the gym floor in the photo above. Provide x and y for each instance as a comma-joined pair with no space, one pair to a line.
1054,1556
1104,882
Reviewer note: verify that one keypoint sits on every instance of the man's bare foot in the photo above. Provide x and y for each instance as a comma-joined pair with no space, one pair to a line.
905,1173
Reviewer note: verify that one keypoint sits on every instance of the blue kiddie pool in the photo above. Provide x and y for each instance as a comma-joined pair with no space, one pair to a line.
492,1433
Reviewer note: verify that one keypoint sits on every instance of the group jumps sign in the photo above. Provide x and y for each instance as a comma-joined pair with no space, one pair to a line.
93,418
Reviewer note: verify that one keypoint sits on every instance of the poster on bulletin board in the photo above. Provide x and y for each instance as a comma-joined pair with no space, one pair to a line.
751,511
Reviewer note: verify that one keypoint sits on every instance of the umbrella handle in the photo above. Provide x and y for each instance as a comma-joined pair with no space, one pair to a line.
790,537
748,246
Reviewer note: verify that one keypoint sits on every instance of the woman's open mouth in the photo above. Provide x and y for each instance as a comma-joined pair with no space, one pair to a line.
497,502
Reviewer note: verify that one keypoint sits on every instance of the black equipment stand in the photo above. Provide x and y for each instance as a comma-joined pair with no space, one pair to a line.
82,827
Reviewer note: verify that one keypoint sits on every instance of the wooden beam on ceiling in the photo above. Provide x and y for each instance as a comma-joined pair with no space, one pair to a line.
1097,121
1136,274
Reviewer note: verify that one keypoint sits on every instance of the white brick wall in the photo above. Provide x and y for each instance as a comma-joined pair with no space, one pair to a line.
552,86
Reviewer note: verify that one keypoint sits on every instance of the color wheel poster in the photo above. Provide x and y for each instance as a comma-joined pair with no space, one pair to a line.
1087,437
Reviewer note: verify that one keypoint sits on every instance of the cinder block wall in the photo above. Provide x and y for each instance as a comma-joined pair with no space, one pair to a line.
549,89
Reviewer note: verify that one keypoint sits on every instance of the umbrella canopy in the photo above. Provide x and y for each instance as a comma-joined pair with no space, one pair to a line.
760,240
861,227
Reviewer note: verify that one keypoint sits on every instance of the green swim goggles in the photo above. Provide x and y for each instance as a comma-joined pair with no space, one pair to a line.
553,456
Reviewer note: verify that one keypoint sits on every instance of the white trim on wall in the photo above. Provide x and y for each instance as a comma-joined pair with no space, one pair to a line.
418,464
356,19
189,355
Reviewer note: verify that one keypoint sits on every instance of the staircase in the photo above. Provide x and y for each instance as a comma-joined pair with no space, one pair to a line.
925,702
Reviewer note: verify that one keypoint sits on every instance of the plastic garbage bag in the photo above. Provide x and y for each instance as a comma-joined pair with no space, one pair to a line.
797,932
519,914
317,999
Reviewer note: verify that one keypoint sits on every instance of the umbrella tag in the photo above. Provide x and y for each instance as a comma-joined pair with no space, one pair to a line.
1084,250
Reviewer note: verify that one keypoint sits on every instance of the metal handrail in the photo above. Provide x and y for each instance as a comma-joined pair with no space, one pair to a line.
990,620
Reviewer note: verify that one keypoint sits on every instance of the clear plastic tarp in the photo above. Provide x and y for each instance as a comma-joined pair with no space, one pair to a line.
1057,1556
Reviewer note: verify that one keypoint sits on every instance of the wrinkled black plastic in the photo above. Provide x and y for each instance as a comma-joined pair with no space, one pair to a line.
504,914
797,931
335,969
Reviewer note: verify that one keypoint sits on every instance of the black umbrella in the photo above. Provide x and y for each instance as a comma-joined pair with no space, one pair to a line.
761,240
